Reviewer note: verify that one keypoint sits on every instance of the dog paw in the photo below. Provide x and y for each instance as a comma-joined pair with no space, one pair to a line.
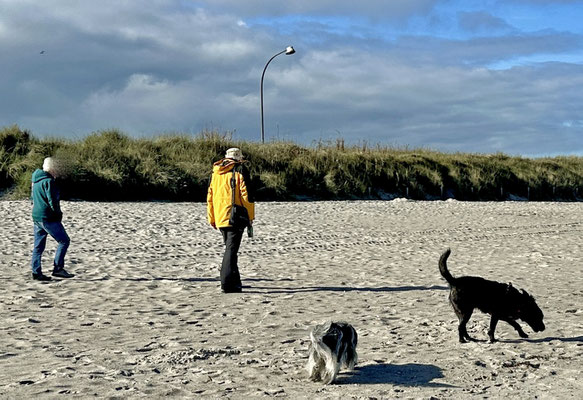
523,335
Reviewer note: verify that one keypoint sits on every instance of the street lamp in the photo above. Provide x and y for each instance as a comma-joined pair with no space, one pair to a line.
288,51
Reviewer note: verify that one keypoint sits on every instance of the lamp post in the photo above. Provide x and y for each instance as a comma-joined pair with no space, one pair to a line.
288,51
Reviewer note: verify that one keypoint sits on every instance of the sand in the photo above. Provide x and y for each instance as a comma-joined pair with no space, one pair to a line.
144,317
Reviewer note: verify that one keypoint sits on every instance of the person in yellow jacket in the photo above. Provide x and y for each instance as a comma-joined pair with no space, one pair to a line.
219,205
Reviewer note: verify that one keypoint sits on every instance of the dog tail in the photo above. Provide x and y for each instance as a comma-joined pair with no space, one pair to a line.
443,267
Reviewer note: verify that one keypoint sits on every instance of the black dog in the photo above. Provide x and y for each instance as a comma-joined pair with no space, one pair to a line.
501,301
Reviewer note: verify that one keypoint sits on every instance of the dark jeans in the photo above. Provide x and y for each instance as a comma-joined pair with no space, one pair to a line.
230,278
41,231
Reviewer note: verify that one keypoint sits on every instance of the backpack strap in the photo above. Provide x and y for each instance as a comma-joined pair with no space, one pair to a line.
233,185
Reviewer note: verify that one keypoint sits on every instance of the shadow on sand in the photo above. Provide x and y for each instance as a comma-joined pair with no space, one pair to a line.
252,289
576,339
276,290
153,279
394,374
150,279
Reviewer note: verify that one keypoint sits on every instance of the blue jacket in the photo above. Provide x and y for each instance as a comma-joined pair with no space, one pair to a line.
45,198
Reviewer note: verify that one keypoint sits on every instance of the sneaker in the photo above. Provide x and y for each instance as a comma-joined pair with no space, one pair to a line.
41,277
62,274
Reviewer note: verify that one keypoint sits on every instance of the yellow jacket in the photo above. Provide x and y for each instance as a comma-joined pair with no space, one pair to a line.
219,199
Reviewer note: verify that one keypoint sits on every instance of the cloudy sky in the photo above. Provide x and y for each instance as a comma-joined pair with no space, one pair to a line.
452,75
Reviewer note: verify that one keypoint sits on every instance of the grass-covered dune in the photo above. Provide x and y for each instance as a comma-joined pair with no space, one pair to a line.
109,165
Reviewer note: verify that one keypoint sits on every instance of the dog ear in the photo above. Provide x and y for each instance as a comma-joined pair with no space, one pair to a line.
508,287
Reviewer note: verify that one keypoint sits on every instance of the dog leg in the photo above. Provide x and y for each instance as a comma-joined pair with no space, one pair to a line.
351,358
352,355
493,323
315,365
330,371
463,316
515,325
462,330
319,371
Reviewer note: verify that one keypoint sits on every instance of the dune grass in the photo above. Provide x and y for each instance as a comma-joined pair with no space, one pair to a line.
109,165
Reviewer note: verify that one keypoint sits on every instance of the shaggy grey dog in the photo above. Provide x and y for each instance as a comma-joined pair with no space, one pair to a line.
332,345
502,301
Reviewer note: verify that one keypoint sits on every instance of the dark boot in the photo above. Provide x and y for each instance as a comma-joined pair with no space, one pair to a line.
41,277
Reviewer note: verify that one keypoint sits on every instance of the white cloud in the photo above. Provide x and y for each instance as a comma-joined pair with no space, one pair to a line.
145,104
227,50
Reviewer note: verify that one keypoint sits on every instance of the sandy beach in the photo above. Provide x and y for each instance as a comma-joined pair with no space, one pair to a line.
144,316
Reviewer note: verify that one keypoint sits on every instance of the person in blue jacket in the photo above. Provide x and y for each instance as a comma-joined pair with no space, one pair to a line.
47,217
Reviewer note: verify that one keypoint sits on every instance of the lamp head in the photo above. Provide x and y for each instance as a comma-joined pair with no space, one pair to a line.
289,50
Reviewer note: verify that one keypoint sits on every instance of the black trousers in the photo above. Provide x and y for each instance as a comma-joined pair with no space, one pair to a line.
230,278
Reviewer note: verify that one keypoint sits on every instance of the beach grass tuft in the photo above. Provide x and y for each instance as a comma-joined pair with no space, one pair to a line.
109,165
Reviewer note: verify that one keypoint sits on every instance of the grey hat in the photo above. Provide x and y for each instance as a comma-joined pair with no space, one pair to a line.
234,153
